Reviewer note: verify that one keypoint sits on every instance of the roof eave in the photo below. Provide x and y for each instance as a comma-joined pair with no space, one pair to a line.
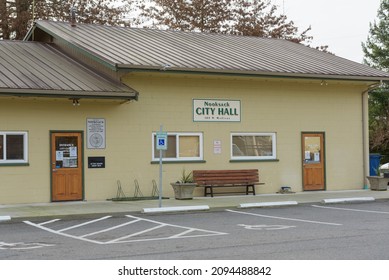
234,72
124,96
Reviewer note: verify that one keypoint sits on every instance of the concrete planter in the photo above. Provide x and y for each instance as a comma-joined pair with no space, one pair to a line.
378,183
183,190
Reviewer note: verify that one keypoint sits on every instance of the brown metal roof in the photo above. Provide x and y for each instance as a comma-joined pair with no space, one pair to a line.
138,48
37,69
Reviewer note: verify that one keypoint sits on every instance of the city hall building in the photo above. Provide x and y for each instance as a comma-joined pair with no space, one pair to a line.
80,107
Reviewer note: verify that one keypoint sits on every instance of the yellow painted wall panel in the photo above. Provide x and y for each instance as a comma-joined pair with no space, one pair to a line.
286,107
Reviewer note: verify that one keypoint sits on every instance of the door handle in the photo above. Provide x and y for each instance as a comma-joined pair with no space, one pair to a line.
54,170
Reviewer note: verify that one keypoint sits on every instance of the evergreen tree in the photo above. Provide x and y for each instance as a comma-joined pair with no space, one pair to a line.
16,16
240,17
260,18
376,48
376,55
186,15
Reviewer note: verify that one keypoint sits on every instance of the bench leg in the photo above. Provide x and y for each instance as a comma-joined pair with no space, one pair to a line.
206,192
252,189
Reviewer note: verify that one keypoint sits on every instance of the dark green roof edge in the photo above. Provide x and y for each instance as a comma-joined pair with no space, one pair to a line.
67,94
256,75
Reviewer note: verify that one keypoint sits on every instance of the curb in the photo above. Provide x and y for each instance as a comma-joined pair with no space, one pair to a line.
5,218
267,204
351,199
176,209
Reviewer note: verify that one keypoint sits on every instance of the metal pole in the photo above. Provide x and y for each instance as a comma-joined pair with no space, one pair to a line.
33,18
160,174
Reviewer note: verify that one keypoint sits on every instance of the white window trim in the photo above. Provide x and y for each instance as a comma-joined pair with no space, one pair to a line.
155,157
274,146
25,146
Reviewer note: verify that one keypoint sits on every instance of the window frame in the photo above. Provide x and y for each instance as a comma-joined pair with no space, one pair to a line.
5,161
259,158
155,157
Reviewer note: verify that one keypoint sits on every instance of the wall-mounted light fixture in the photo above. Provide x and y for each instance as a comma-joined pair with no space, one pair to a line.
323,83
76,102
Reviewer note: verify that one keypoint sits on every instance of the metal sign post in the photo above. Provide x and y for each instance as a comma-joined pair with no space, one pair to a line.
161,145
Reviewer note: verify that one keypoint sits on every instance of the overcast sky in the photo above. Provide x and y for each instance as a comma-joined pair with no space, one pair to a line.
341,24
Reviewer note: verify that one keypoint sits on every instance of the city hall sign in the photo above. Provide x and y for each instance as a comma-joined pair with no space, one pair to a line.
216,110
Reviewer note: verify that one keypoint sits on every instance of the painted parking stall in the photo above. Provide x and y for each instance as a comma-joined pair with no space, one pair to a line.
133,229
303,232
313,231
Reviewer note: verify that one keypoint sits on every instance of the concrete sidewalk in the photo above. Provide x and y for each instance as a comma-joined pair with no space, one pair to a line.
8,212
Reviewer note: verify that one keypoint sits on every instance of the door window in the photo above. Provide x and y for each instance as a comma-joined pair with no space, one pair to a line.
66,152
312,149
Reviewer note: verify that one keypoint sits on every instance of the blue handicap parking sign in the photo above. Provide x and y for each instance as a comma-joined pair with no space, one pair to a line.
161,141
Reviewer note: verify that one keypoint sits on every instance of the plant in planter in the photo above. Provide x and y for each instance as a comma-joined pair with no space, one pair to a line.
183,188
378,183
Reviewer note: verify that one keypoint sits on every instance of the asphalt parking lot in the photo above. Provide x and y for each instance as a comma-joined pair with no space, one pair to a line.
310,231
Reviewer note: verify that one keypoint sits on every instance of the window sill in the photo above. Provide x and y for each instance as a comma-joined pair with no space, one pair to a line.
254,160
178,161
15,164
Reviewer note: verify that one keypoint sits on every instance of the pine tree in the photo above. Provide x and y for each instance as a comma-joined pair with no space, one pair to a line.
260,18
239,17
16,16
186,15
376,48
376,55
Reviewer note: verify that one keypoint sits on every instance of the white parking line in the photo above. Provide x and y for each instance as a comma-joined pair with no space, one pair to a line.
23,246
111,228
127,238
348,209
83,224
282,218
49,222
135,234
61,233
182,233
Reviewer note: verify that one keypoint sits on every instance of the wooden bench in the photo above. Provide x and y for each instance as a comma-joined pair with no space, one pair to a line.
210,179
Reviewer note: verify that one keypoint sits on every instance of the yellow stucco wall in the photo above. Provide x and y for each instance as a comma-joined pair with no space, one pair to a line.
287,107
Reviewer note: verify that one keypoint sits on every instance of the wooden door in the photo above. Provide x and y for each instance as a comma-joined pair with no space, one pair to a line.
66,166
313,161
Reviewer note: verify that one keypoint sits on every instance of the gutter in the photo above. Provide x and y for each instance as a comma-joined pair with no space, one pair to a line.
365,131
126,96
242,73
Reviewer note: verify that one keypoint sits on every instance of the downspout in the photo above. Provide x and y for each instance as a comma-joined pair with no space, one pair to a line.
365,132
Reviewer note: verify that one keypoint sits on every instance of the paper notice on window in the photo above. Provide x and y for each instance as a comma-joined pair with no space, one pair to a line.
73,151
307,155
59,155
316,157
70,162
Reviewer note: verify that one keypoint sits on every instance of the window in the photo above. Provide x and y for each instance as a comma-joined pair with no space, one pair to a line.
181,146
13,147
259,146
